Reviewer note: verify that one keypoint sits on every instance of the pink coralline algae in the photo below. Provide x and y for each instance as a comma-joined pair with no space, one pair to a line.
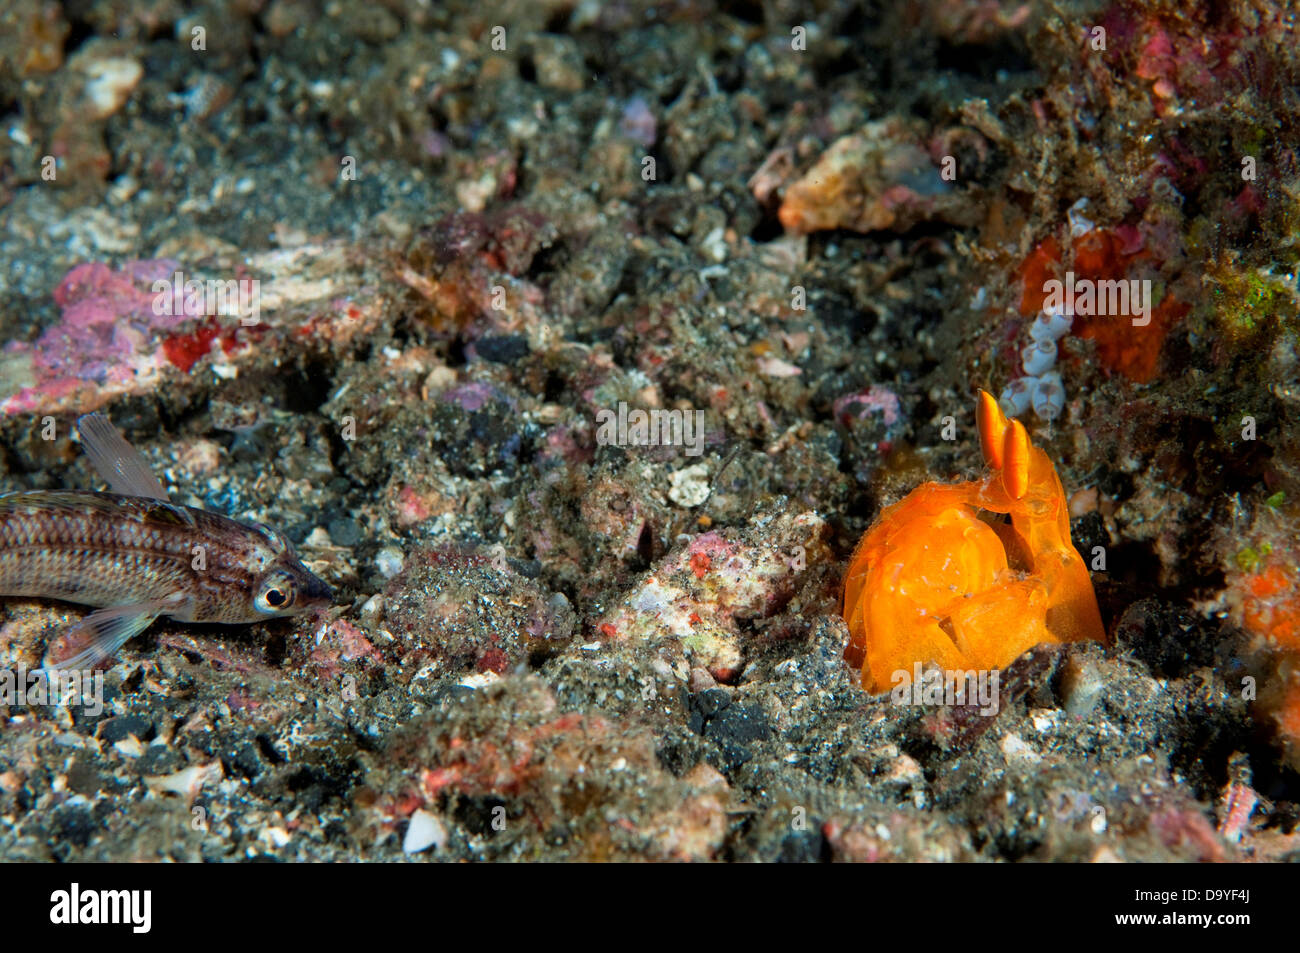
874,399
1190,59
111,340
106,314
341,641
109,334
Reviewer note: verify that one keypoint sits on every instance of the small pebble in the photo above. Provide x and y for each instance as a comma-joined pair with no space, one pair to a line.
1017,753
373,607
389,562
345,531
110,83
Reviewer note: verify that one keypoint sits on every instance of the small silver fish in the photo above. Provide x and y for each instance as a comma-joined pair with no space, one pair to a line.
136,556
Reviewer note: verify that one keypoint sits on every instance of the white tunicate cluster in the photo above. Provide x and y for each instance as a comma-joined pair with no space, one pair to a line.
1049,327
1041,388
1049,396
1038,357
1079,225
1017,396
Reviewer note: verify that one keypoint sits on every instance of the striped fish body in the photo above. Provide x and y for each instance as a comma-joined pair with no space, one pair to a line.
106,549
135,555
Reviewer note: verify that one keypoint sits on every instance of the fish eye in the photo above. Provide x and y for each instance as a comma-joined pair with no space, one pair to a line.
275,596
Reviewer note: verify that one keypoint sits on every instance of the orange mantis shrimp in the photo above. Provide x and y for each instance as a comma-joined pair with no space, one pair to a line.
940,580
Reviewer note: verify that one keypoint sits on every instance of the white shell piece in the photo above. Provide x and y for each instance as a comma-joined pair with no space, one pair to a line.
424,831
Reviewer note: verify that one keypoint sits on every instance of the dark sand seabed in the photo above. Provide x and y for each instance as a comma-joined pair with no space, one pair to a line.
814,228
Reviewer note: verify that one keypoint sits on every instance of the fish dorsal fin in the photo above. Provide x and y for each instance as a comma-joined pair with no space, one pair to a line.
116,460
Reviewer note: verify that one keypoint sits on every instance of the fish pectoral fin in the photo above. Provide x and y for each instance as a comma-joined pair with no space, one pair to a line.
104,631
116,460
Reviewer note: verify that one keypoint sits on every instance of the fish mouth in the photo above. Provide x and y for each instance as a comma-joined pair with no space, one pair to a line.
314,590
